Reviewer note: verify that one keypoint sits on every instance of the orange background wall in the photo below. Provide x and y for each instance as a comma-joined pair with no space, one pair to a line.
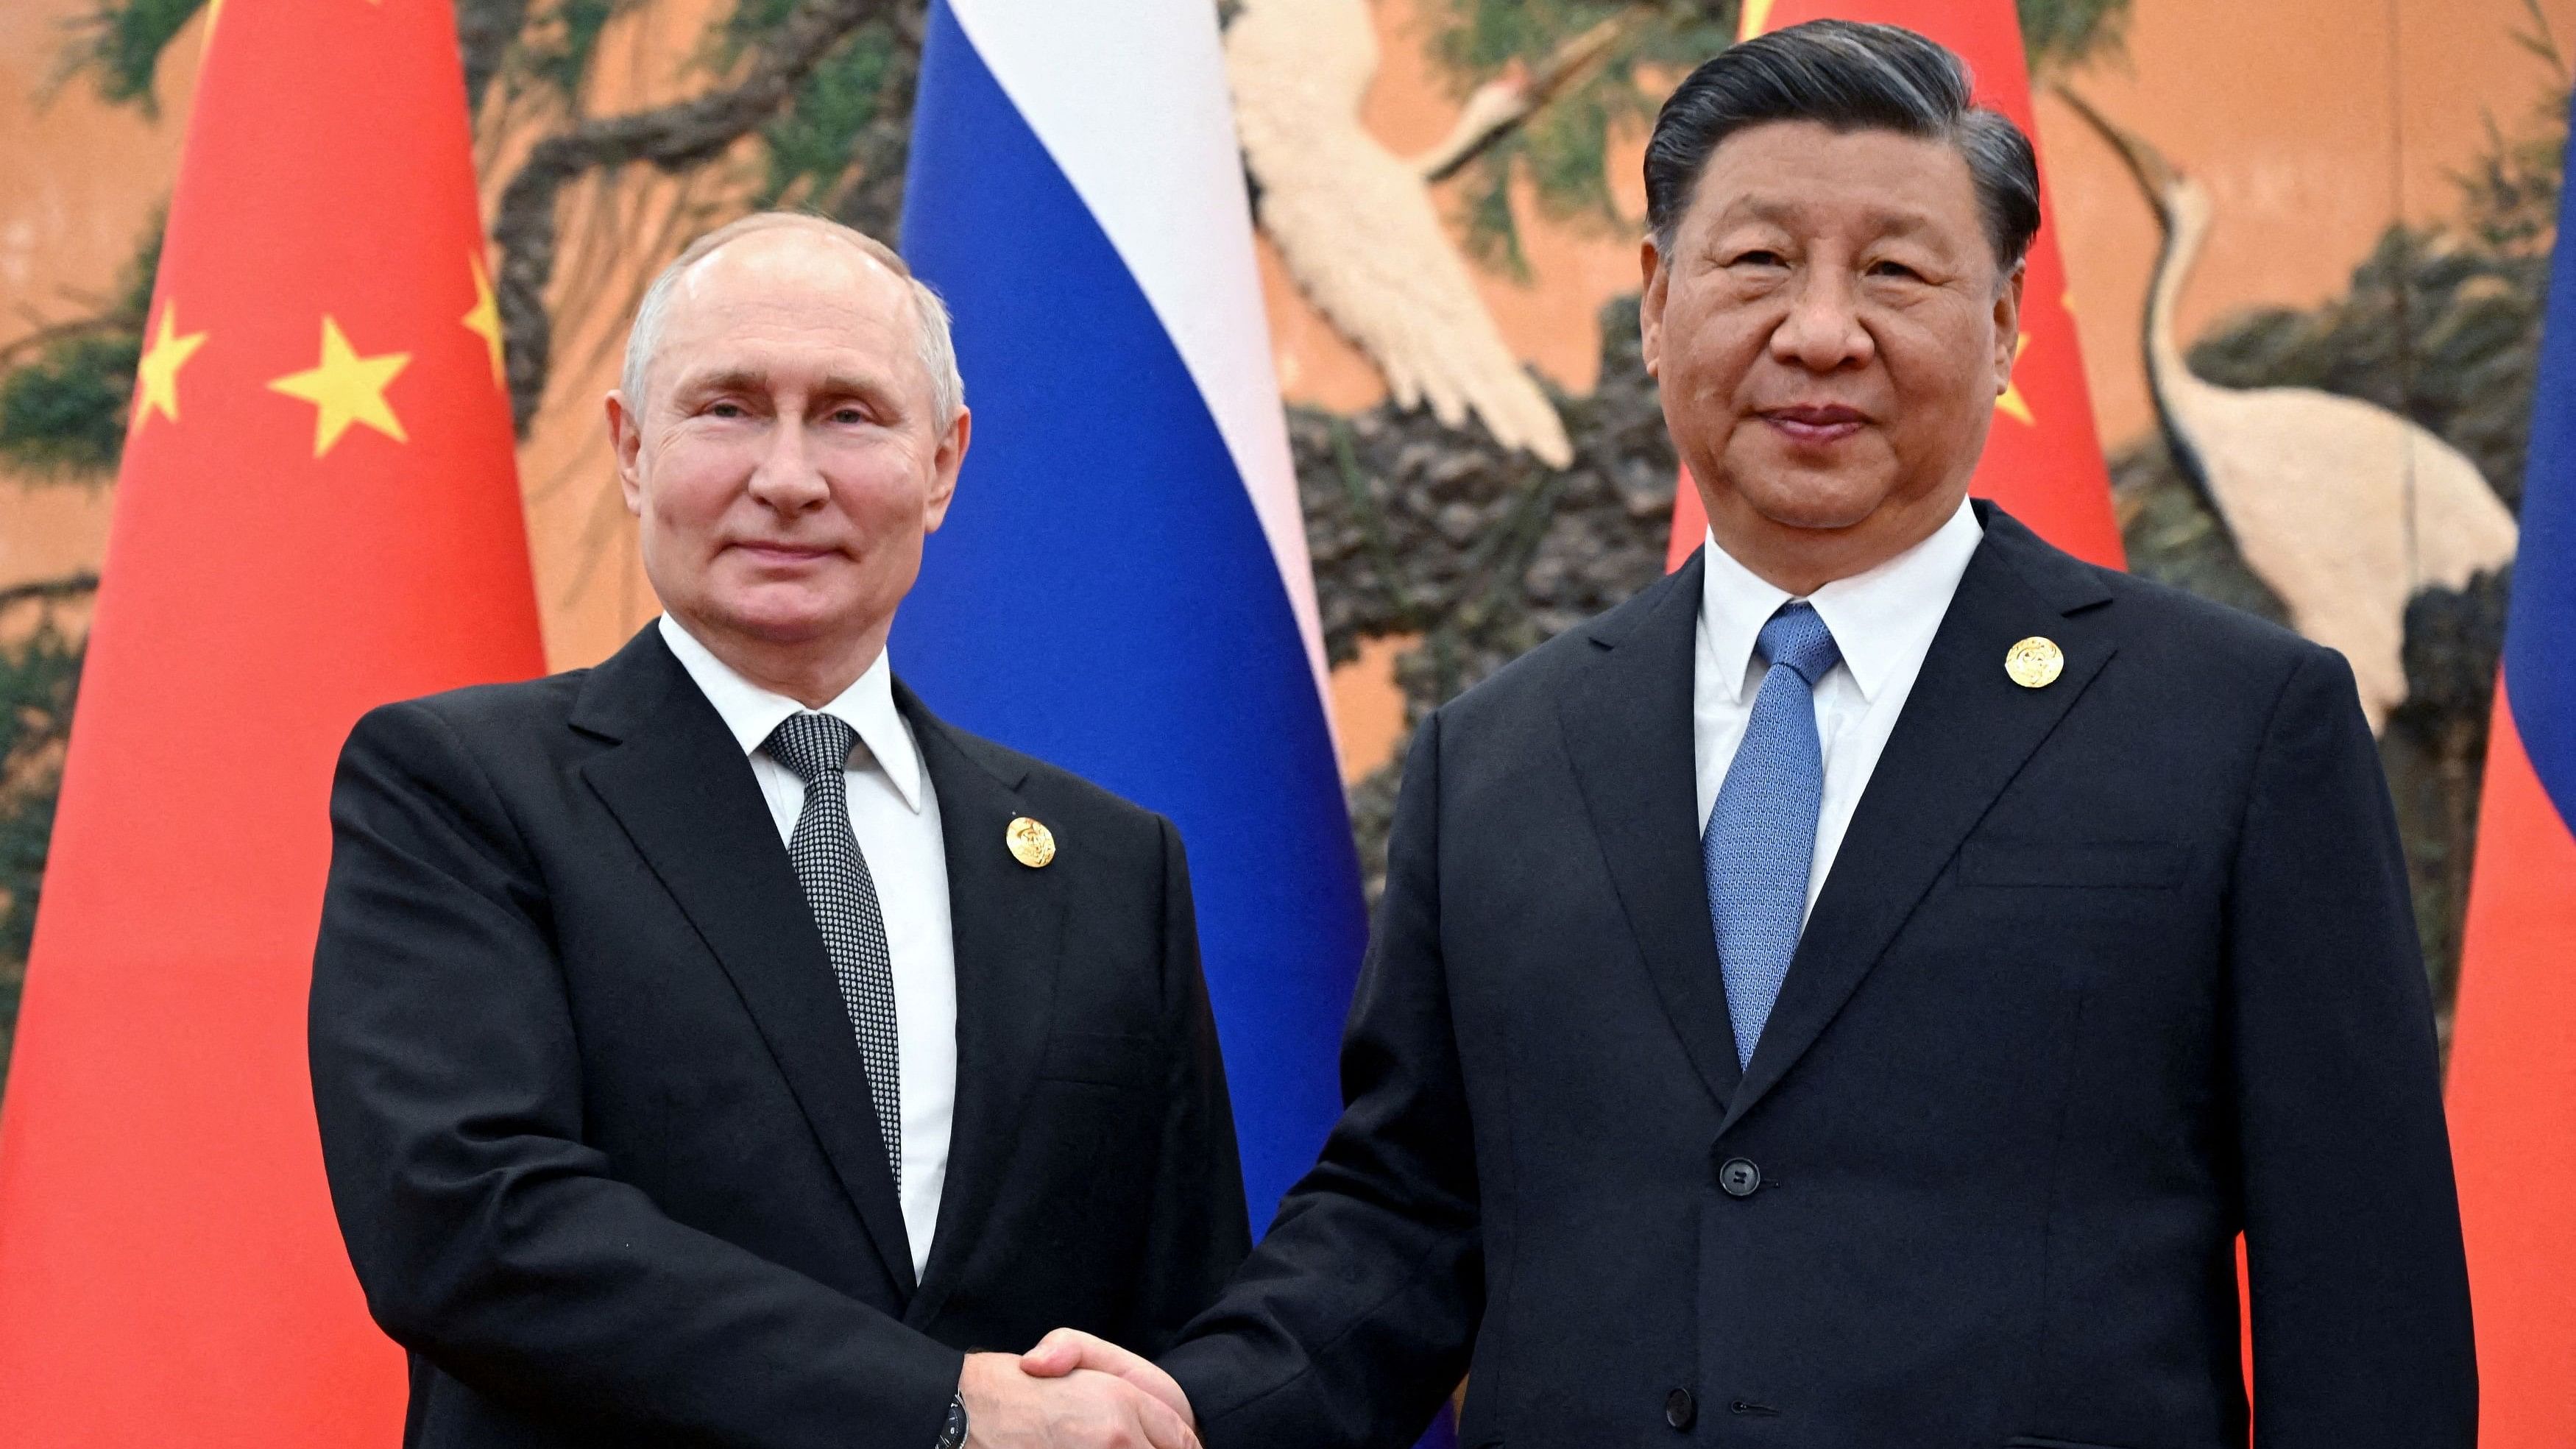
2313,122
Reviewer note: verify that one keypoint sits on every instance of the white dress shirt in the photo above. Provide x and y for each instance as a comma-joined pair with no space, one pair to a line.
1883,620
895,814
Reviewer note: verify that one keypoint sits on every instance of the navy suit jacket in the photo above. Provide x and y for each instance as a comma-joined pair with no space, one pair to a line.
2104,973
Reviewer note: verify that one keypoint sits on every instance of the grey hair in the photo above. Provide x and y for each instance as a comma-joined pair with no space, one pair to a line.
1850,77
931,340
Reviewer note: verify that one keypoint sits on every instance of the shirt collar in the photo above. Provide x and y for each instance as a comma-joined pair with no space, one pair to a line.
1879,618
752,712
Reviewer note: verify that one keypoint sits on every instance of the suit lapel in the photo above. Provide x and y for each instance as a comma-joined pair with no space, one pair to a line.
684,792
1966,731
1007,922
1627,728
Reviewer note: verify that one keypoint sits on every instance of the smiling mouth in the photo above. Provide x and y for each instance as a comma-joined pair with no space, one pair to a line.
782,553
1816,425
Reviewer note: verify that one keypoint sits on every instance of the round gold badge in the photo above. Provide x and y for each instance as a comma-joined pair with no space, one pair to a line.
1032,844
2035,663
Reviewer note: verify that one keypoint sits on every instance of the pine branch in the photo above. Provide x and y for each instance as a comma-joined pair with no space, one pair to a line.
1498,106
69,586
671,137
484,30
17,350
120,43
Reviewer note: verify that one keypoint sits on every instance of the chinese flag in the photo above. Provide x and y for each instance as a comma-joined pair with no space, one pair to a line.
2042,462
318,513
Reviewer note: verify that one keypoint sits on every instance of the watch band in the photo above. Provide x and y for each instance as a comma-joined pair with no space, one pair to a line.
953,1435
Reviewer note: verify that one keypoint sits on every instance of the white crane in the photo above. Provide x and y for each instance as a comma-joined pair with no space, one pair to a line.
1355,222
2342,508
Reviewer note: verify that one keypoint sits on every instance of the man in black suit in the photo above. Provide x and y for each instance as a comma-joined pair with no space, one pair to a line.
2110,954
713,1047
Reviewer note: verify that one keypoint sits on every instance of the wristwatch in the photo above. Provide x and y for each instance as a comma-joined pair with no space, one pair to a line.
953,1436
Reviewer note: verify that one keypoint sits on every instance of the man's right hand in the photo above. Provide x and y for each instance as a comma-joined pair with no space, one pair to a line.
1070,1350
1084,1409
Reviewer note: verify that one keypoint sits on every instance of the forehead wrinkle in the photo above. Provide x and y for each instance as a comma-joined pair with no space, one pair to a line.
754,297
1883,220
768,269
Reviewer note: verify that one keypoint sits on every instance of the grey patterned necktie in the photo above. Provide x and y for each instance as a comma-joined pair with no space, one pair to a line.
834,873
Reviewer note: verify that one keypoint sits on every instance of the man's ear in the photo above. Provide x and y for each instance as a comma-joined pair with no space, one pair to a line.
945,464
2008,323
626,437
1650,305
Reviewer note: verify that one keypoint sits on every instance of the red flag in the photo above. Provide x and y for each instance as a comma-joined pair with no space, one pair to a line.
2042,462
318,513
2513,1096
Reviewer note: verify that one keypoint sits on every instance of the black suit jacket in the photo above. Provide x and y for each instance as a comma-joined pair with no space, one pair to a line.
597,1128
2103,973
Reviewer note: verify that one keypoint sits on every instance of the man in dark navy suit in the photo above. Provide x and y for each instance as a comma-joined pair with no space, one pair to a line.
1854,995
714,1047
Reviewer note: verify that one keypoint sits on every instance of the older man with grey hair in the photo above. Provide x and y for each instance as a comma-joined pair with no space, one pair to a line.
713,1046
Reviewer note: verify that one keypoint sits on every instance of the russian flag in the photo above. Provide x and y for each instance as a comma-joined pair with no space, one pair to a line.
1122,587
2513,1054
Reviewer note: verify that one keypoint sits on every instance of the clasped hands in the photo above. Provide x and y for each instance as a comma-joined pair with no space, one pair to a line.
1073,1391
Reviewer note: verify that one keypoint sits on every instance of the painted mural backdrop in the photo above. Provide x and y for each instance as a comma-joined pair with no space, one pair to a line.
2307,265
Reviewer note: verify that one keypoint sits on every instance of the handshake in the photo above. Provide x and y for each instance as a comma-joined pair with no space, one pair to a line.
1073,1391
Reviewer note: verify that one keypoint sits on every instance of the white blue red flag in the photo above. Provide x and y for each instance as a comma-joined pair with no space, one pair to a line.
2513,1053
1122,586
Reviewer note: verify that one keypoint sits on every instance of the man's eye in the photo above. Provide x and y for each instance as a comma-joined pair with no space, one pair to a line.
1895,269
1758,257
725,410
849,415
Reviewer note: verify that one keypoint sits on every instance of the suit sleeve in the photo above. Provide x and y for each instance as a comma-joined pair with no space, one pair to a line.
490,1239
1353,1317
2359,1286
1200,1230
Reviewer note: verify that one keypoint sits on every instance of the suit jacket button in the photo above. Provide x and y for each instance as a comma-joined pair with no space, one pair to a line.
1740,1177
1680,1408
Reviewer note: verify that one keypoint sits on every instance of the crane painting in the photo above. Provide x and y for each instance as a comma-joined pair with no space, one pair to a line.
1355,222
2344,509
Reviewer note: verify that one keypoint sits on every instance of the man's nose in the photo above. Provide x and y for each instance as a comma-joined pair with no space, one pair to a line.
1823,331
786,478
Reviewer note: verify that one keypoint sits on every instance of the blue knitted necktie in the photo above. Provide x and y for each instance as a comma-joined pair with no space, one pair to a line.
1761,836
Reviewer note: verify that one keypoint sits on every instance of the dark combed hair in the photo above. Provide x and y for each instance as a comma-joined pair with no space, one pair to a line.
1850,77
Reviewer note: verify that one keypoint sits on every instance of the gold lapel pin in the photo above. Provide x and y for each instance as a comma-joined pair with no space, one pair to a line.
1032,844
2035,662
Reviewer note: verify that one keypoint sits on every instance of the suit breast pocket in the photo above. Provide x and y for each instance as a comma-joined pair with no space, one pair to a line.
1104,1059
2081,864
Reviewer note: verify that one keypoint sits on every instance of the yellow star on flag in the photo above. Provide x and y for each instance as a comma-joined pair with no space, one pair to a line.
346,389
2011,402
1755,19
484,320
156,376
